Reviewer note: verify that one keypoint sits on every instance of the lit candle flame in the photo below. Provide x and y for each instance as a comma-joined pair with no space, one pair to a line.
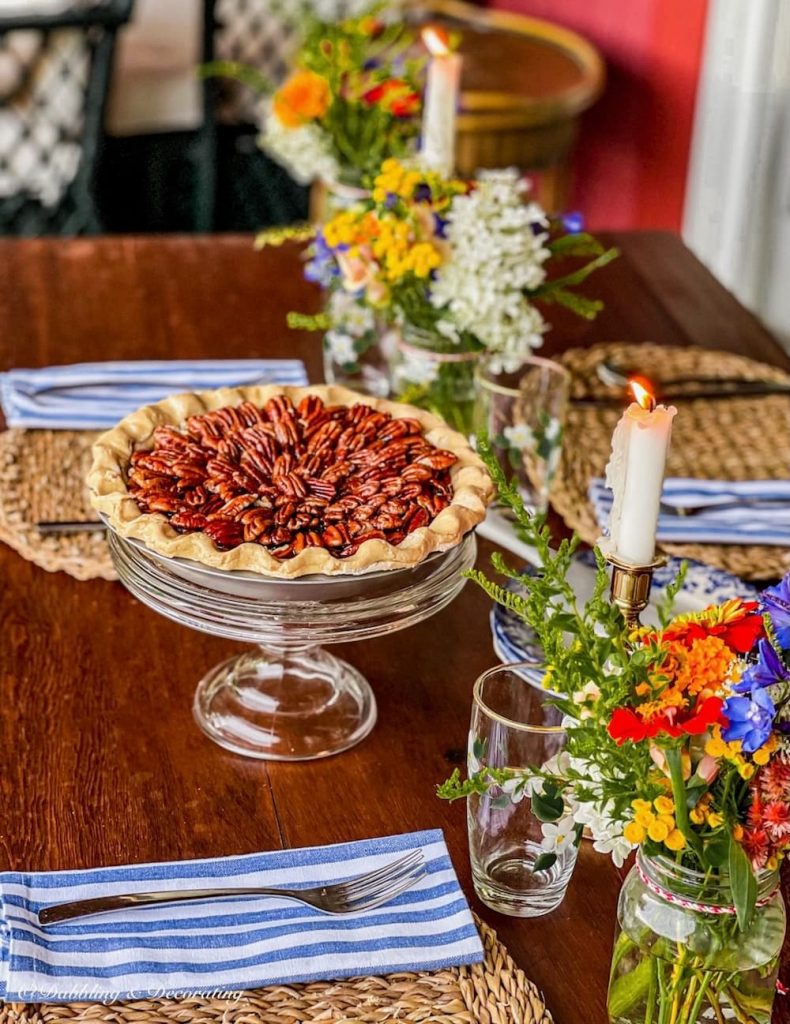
642,395
436,40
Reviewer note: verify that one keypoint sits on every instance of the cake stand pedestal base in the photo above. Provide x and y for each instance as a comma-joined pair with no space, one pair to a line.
294,705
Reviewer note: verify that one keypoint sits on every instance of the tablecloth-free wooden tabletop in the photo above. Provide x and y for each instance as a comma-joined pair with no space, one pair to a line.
100,762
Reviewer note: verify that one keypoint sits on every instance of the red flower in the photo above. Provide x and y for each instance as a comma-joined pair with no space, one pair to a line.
394,95
774,780
740,633
755,843
777,821
626,724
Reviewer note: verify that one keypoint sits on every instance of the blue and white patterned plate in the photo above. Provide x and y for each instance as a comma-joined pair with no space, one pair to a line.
514,641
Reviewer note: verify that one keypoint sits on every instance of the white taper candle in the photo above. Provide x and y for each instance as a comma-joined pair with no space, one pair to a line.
442,89
635,475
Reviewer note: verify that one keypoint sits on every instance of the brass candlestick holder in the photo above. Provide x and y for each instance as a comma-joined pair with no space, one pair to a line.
631,586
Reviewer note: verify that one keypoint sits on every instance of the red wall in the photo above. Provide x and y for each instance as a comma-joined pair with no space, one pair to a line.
631,162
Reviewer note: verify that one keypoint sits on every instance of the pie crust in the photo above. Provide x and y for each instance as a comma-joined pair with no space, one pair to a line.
107,480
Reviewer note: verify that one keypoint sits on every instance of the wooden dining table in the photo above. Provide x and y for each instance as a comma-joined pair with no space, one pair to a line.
100,761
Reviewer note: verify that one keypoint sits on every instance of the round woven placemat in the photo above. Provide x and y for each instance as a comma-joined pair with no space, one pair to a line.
743,438
42,477
494,992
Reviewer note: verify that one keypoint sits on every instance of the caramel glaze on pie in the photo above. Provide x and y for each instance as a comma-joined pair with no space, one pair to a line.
289,481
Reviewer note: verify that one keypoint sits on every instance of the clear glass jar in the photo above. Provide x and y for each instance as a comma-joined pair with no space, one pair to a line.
328,198
358,348
431,373
689,962
522,408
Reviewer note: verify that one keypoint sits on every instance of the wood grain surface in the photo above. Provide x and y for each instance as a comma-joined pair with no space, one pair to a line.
100,762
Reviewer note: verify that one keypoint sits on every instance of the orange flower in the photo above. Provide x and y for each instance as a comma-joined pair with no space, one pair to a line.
304,97
708,664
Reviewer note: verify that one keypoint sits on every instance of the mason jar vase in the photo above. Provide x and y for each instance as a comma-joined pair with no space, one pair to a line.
680,956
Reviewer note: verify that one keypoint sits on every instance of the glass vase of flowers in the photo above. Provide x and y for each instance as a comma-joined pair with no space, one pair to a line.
356,346
680,954
677,746
429,372
456,268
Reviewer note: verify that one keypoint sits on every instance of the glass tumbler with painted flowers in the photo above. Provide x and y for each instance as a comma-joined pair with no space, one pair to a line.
677,748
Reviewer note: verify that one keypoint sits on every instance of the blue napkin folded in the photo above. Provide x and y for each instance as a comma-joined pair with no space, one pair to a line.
93,396
230,944
729,511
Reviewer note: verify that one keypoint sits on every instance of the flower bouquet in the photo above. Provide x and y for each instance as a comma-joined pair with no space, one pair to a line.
457,269
677,747
352,99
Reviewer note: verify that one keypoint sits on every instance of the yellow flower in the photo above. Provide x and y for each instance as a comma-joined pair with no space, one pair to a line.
641,805
772,863
746,771
737,832
716,747
645,818
668,820
634,832
763,755
658,831
675,840
697,815
664,805
714,819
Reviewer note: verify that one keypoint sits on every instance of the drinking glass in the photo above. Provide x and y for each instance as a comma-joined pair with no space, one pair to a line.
512,727
523,411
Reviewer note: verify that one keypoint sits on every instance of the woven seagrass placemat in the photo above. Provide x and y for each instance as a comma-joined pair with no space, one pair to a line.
42,477
743,438
494,992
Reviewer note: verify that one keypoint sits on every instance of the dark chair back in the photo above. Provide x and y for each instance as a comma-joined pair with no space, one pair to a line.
54,75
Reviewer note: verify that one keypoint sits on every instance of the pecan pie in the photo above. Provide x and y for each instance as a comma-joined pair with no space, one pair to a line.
289,481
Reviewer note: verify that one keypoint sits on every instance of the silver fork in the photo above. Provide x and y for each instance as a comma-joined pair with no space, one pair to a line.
365,892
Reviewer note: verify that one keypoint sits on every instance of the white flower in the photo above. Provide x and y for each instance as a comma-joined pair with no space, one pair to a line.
351,315
497,250
415,368
521,786
341,347
305,152
519,437
589,692
553,430
558,835
617,847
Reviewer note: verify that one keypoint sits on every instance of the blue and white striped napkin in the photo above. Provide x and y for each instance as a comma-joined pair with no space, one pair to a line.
746,524
92,396
231,944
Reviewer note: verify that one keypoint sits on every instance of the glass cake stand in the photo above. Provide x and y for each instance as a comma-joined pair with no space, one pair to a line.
288,700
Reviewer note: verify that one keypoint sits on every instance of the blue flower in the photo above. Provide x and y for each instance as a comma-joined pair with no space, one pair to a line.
751,720
439,226
768,670
573,222
776,601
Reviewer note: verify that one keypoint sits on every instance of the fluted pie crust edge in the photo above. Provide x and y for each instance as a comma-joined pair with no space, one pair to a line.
472,489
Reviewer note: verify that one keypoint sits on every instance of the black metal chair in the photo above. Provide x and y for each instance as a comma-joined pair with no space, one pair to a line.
54,75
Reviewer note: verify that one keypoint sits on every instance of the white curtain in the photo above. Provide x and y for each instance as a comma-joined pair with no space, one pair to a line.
737,213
